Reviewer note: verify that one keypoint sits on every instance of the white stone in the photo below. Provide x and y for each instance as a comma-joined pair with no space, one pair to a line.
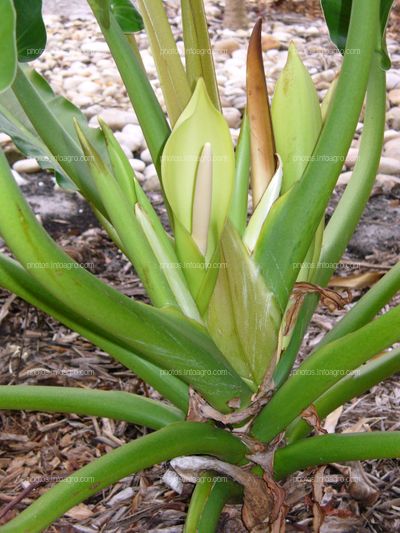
126,149
4,138
146,156
282,36
351,158
387,183
94,47
392,80
81,100
393,118
117,119
150,171
232,116
344,178
389,165
134,137
18,178
392,148
28,166
88,88
137,165
390,135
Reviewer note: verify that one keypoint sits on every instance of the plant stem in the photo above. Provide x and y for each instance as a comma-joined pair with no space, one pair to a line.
181,438
163,337
327,449
367,307
238,210
347,214
110,404
15,279
288,232
347,388
198,53
207,501
148,110
323,368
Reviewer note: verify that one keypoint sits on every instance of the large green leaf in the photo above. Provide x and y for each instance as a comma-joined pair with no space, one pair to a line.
243,315
127,16
8,64
39,112
337,15
17,125
31,31
162,337
172,75
199,124
198,54
322,369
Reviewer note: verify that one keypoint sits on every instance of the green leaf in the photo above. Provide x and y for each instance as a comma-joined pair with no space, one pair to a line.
351,386
199,124
171,73
198,53
8,65
181,438
296,118
31,31
162,337
147,108
18,281
116,405
52,117
286,238
243,316
240,200
322,369
17,125
127,16
337,15
326,449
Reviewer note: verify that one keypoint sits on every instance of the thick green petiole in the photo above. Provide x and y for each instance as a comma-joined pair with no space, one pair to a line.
208,499
368,306
198,54
240,199
150,115
109,404
323,368
15,279
181,438
288,232
327,449
172,75
347,388
346,216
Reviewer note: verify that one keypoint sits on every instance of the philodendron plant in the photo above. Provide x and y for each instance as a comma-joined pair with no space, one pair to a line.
231,292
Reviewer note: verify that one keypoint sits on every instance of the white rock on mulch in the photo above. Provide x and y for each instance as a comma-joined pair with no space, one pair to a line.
392,147
117,119
389,165
29,166
137,165
393,118
232,116
133,137
18,178
4,138
145,156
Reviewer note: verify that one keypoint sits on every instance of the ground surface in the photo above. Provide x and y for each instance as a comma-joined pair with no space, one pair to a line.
35,349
